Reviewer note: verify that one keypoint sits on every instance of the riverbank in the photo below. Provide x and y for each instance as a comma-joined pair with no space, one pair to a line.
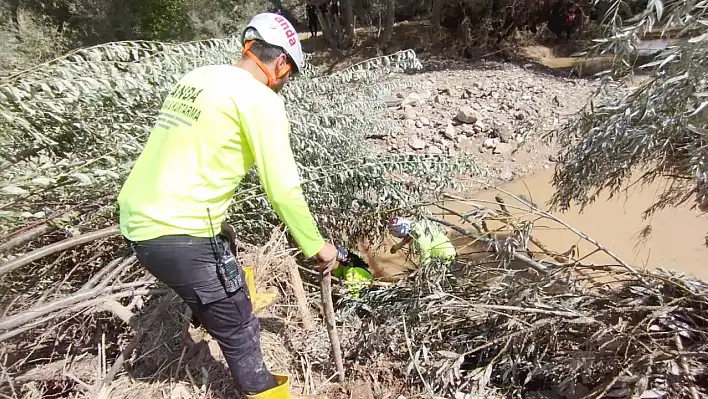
499,114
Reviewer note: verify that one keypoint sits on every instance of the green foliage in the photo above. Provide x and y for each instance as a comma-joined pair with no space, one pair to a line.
659,127
163,19
72,129
90,22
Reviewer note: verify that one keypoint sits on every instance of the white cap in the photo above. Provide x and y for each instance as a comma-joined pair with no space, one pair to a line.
275,29
400,227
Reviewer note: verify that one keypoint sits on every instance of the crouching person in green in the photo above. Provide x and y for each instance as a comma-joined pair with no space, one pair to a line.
427,239
353,272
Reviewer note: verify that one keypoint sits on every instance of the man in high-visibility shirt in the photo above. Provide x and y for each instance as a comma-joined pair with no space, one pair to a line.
428,241
215,124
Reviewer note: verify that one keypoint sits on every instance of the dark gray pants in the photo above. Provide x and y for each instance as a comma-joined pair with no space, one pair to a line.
187,265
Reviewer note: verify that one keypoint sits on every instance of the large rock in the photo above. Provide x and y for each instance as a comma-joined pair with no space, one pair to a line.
413,99
507,175
490,143
466,115
503,148
409,113
449,132
391,101
503,132
433,149
416,143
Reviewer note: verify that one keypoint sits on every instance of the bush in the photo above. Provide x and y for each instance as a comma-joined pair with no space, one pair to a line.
163,20
29,43
657,128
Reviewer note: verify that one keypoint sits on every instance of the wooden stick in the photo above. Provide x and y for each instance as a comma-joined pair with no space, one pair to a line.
17,320
326,292
299,290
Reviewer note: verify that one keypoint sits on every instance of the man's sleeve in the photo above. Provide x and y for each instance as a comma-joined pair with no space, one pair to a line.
268,133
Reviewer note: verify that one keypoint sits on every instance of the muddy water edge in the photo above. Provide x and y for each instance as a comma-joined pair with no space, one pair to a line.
676,238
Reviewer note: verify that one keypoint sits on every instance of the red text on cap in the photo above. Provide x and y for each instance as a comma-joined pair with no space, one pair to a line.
289,32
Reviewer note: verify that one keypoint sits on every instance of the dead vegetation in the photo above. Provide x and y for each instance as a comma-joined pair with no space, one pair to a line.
520,319
525,320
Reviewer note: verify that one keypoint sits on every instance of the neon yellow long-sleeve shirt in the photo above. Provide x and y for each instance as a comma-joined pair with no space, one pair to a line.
213,126
430,242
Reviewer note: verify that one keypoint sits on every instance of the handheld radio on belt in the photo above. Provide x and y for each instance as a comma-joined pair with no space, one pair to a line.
226,265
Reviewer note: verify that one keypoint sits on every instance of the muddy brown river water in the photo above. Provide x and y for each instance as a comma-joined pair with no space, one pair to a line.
677,239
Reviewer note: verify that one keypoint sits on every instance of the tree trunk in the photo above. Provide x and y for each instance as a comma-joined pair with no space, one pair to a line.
436,15
327,29
388,26
347,11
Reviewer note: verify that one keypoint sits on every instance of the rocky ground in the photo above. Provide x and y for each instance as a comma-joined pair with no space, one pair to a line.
496,112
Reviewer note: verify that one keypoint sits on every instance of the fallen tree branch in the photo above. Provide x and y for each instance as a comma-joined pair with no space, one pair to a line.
118,270
535,210
77,307
40,253
25,237
18,320
523,258
128,351
40,227
91,283
119,311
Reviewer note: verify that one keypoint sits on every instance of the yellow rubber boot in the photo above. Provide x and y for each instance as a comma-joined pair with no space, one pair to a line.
265,299
259,300
282,391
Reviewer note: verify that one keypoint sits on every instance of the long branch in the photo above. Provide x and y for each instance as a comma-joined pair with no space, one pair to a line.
545,214
40,253
91,283
17,320
92,302
25,237
117,271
